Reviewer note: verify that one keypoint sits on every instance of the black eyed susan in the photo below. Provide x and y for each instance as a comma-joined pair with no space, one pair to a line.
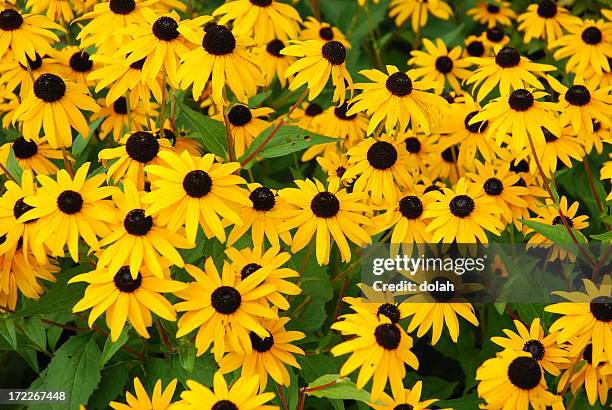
264,20
514,381
601,132
462,214
331,213
307,116
494,39
418,148
588,47
123,79
180,141
318,30
54,106
379,347
56,10
335,164
117,120
379,168
398,99
247,261
508,70
269,356
136,150
108,20
138,239
405,215
245,124
78,64
475,47
26,34
9,103
418,12
439,65
493,13
240,395
273,64
160,399
224,59
521,114
408,399
378,303
263,217
589,315
606,173
69,208
224,308
192,191
34,156
22,275
126,298
543,348
549,214
15,75
159,42
546,20
563,147
472,138
442,163
499,184
317,60
582,106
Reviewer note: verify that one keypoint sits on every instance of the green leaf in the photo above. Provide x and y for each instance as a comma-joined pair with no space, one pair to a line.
259,98
7,330
315,281
60,298
187,355
35,331
312,317
211,132
314,366
110,347
343,389
604,237
13,167
170,368
558,234
80,142
114,382
463,403
286,140
73,369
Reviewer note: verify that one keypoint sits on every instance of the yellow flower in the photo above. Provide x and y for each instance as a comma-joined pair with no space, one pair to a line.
493,13
160,400
418,11
546,20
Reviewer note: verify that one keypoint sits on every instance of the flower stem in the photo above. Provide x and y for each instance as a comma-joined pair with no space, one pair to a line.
67,163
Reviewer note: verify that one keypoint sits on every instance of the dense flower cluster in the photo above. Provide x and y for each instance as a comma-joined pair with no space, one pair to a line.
136,133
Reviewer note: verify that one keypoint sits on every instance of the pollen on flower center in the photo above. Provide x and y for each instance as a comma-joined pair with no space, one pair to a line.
122,6
24,149
493,186
218,40
225,300
413,145
197,183
261,345
592,35
10,20
475,49
578,95
441,295
495,34
136,223
325,205
508,57
142,146
274,47
239,115
547,9
390,311
248,270
477,127
80,62
536,348
462,205
120,106
340,112
492,8
411,207
524,373
261,3
262,198
388,336
558,220
521,100
70,202
326,33
21,208
601,308
444,64
399,84
313,110
224,405
124,281
165,28
334,52
382,155
49,87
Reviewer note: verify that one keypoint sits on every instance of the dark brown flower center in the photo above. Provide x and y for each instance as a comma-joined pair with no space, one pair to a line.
334,52
444,64
262,198
80,62
167,134
325,205
313,110
120,106
261,345
476,128
224,405
411,207
136,223
578,95
248,270
492,8
462,206
536,348
558,220
261,3
413,145
10,20
390,311
441,296
495,34
548,136
521,100
197,183
451,154
49,87
601,308
218,40
122,6
592,35
519,166
326,33
274,47
34,64
137,65
340,112
403,406
399,84
382,155
165,28
588,353
21,208
547,9
24,149
493,186
475,49
142,146
124,281
524,373
239,115
388,336
225,300
507,57
69,202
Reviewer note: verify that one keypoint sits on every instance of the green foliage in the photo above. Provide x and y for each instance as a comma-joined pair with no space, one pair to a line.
210,132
